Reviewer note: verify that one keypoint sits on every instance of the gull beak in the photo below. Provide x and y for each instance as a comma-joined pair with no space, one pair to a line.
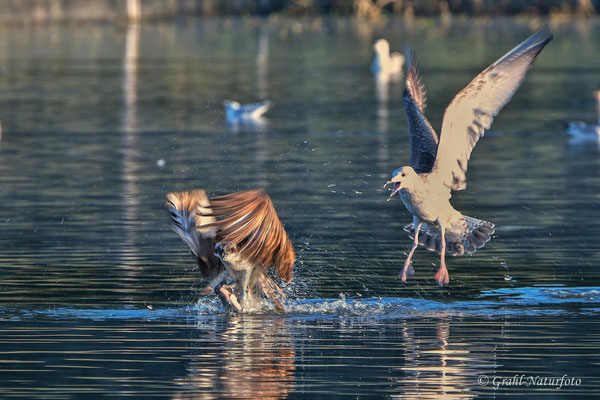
395,190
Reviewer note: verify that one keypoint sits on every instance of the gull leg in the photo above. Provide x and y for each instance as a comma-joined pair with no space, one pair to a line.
441,276
408,270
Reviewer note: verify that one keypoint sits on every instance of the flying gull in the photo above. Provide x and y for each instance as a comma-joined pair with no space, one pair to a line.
439,166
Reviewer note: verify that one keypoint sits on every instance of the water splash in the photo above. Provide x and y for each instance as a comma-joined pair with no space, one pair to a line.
509,302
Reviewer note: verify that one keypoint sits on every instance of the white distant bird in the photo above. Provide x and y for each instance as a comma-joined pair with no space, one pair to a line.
236,113
439,166
386,66
584,132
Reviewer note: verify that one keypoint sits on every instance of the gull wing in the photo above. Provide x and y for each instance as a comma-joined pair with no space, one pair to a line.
248,225
472,111
423,139
255,110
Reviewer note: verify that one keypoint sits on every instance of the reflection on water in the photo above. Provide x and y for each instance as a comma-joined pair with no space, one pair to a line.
129,148
446,369
262,64
257,362
402,348
97,296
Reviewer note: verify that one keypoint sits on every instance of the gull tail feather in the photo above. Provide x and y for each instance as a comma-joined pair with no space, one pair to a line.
464,235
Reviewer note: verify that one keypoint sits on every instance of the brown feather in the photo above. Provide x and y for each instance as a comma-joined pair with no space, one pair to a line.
185,209
248,225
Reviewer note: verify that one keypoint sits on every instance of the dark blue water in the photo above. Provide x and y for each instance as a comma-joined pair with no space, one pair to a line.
98,298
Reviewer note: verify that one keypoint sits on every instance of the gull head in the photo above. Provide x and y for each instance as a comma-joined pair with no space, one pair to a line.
233,105
381,47
401,178
232,111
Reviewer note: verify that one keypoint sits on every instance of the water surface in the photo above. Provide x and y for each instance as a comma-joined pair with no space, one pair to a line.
98,298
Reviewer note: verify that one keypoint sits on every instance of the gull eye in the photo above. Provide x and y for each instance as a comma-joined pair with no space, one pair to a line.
403,174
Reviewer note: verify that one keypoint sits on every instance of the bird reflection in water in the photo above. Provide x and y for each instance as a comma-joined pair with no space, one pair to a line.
385,68
441,366
262,63
254,359
585,133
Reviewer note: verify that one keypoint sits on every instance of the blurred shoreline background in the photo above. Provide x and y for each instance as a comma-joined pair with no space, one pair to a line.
77,11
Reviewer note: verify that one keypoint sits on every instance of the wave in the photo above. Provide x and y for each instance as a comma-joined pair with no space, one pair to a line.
508,302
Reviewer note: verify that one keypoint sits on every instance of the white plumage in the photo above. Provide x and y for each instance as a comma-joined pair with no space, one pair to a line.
439,166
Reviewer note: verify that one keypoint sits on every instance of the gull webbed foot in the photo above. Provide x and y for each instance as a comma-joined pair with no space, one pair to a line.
441,276
407,271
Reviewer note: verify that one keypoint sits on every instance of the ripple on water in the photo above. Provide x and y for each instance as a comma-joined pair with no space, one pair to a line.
508,302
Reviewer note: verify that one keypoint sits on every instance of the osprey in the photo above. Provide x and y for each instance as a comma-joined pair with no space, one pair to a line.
235,238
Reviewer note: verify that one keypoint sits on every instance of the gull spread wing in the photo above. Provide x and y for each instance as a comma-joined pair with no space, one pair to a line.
249,226
472,111
423,139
